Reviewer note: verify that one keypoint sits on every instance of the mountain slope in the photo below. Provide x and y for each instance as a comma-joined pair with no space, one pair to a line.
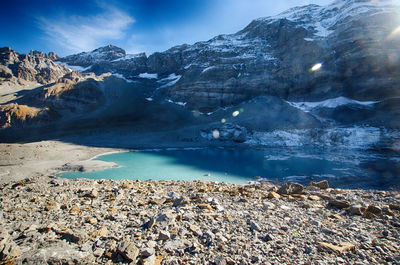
353,40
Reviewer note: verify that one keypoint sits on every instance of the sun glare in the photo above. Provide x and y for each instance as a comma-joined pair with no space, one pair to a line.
316,67
394,33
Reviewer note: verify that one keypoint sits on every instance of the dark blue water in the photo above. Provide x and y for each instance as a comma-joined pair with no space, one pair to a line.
350,170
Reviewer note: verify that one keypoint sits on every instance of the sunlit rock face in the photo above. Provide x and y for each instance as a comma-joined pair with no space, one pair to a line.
353,44
104,54
36,66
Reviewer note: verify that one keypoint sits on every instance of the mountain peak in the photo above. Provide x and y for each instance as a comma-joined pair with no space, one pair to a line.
103,54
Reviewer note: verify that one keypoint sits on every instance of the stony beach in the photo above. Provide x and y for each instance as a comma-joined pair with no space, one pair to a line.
49,220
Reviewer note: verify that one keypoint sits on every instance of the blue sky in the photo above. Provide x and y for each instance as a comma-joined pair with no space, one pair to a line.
68,27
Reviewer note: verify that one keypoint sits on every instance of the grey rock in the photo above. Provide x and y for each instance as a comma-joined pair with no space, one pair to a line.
147,252
173,245
339,204
220,261
254,226
164,235
128,250
355,209
149,224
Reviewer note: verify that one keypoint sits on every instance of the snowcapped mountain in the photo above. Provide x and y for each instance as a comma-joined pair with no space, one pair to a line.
353,41
103,54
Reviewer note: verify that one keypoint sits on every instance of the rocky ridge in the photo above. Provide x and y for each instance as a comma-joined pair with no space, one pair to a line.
36,67
51,220
72,93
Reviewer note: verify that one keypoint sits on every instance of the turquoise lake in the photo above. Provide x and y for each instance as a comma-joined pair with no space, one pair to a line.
243,165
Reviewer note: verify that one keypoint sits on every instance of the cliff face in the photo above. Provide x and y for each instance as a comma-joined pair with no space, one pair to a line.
36,66
354,41
72,95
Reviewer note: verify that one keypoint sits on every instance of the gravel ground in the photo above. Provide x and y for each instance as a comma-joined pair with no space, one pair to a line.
49,220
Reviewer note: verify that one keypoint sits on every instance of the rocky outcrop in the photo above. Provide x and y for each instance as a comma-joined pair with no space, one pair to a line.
72,94
33,67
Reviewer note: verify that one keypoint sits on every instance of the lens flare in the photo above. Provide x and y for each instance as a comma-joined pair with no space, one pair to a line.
395,33
316,67
215,134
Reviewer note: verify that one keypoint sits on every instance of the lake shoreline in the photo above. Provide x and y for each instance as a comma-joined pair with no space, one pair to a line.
24,160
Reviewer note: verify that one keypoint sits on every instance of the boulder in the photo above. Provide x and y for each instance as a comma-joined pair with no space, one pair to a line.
290,188
321,184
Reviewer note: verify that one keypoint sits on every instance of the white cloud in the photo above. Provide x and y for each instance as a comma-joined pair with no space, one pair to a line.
78,33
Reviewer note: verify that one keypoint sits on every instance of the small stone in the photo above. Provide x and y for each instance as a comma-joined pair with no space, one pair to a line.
341,204
149,224
75,210
98,252
340,248
164,235
316,223
128,251
230,261
195,229
220,261
108,255
52,205
394,207
291,188
273,195
92,220
254,226
268,238
268,206
355,209
204,206
100,233
147,252
374,209
370,215
180,201
173,245
128,185
321,184
93,194
314,198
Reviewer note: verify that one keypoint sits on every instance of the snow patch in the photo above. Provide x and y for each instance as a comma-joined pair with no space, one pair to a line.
75,67
347,138
171,80
122,77
329,103
177,102
128,57
207,69
148,76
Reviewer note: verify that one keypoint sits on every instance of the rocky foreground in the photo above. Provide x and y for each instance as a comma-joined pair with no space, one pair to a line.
61,221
